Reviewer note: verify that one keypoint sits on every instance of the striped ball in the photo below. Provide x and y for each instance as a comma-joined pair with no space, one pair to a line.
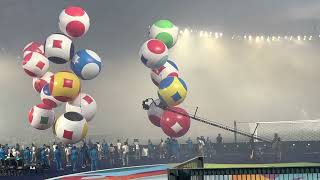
153,53
41,117
168,69
165,31
71,127
172,91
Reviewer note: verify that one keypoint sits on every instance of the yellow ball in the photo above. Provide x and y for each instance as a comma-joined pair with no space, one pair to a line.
172,91
65,86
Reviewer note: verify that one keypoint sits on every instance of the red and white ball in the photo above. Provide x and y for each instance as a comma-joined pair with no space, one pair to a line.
74,21
38,83
59,48
70,127
47,98
35,64
33,47
168,69
83,104
155,113
175,124
41,117
153,53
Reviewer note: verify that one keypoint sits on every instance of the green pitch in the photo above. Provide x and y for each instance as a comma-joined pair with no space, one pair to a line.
302,164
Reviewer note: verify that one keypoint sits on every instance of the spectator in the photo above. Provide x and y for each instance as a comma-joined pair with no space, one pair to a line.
119,145
33,153
58,158
162,149
150,149
44,157
137,149
190,147
2,155
74,158
94,158
219,145
200,146
125,155
105,150
99,148
67,151
112,154
26,156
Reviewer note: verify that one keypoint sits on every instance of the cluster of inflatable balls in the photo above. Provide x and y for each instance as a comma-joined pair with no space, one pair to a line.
62,87
172,90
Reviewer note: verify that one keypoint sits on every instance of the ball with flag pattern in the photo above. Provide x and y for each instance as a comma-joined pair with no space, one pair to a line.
35,64
59,48
83,104
74,21
172,91
165,31
175,122
86,64
41,117
65,86
153,53
33,47
71,127
168,69
38,83
47,98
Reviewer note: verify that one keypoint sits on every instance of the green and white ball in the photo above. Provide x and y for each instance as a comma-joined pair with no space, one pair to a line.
165,31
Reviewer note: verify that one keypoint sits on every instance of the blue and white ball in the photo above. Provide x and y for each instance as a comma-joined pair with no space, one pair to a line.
86,64
168,69
153,53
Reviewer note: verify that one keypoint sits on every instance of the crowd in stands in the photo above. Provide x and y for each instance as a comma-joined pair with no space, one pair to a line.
90,155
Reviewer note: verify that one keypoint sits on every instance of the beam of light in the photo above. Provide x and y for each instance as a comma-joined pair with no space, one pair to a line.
257,39
245,37
262,38
268,39
201,33
186,32
206,34
273,38
279,37
232,36
299,38
285,37
291,37
250,37
310,38
216,35
221,34
304,38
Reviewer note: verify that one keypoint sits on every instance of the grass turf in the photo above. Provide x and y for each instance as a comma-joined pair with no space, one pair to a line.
220,166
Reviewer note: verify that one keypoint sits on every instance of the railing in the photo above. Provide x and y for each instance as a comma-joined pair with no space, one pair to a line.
194,170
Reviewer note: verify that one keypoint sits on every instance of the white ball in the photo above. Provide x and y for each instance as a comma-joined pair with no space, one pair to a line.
155,113
71,127
38,83
59,48
35,64
168,69
74,22
47,98
153,53
41,117
83,104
